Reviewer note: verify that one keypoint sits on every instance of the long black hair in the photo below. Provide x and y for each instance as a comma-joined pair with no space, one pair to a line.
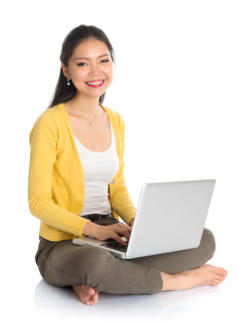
63,92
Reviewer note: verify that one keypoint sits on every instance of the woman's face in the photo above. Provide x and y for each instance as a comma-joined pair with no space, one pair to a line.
91,62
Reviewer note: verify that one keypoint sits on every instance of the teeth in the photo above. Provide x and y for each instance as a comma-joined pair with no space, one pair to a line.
95,83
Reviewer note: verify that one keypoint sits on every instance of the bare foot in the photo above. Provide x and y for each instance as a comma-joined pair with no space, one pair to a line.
204,275
87,294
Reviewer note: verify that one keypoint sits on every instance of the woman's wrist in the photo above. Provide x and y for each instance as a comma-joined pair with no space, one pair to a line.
131,222
89,229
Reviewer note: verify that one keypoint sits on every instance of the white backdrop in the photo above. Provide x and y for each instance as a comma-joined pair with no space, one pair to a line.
181,85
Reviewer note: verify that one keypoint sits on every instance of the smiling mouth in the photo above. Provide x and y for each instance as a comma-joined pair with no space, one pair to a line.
95,84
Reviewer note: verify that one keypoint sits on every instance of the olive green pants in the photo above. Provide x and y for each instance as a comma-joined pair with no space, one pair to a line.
64,264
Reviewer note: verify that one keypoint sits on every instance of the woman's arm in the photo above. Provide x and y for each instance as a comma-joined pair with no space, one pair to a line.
43,152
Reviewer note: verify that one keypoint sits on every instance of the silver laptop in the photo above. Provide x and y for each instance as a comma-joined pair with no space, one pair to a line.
170,217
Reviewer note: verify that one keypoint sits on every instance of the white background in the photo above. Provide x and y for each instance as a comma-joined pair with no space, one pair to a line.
181,85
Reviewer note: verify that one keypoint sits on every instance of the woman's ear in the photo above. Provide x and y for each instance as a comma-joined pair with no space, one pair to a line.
65,71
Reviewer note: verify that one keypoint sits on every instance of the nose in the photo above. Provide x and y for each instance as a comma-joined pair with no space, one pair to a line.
95,69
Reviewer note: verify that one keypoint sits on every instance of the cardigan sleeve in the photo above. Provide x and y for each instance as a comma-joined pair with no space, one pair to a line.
43,151
120,199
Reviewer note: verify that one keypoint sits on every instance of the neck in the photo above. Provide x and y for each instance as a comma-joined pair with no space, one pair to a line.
84,106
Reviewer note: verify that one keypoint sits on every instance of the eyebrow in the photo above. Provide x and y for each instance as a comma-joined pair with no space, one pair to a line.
106,54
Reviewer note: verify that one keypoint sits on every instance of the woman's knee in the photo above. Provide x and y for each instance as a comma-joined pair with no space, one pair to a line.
209,243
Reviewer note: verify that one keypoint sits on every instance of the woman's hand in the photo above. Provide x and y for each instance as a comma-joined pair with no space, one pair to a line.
115,231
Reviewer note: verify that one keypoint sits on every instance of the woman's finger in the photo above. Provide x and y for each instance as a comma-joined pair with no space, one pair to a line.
119,240
124,233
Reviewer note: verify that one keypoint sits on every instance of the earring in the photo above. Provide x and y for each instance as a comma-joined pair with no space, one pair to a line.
68,82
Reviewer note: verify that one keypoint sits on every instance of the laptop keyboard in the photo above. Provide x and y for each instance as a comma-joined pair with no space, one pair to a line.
116,245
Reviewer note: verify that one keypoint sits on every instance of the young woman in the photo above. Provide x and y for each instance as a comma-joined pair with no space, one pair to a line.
77,187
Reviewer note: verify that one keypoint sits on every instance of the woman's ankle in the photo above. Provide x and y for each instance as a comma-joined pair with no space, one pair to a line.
173,281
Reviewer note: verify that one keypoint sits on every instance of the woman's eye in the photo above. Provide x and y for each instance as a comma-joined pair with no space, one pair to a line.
81,64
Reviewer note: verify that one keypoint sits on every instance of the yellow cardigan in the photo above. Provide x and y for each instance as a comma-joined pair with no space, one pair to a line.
56,179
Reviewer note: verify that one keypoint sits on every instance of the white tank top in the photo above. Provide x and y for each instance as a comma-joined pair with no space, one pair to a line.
99,168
